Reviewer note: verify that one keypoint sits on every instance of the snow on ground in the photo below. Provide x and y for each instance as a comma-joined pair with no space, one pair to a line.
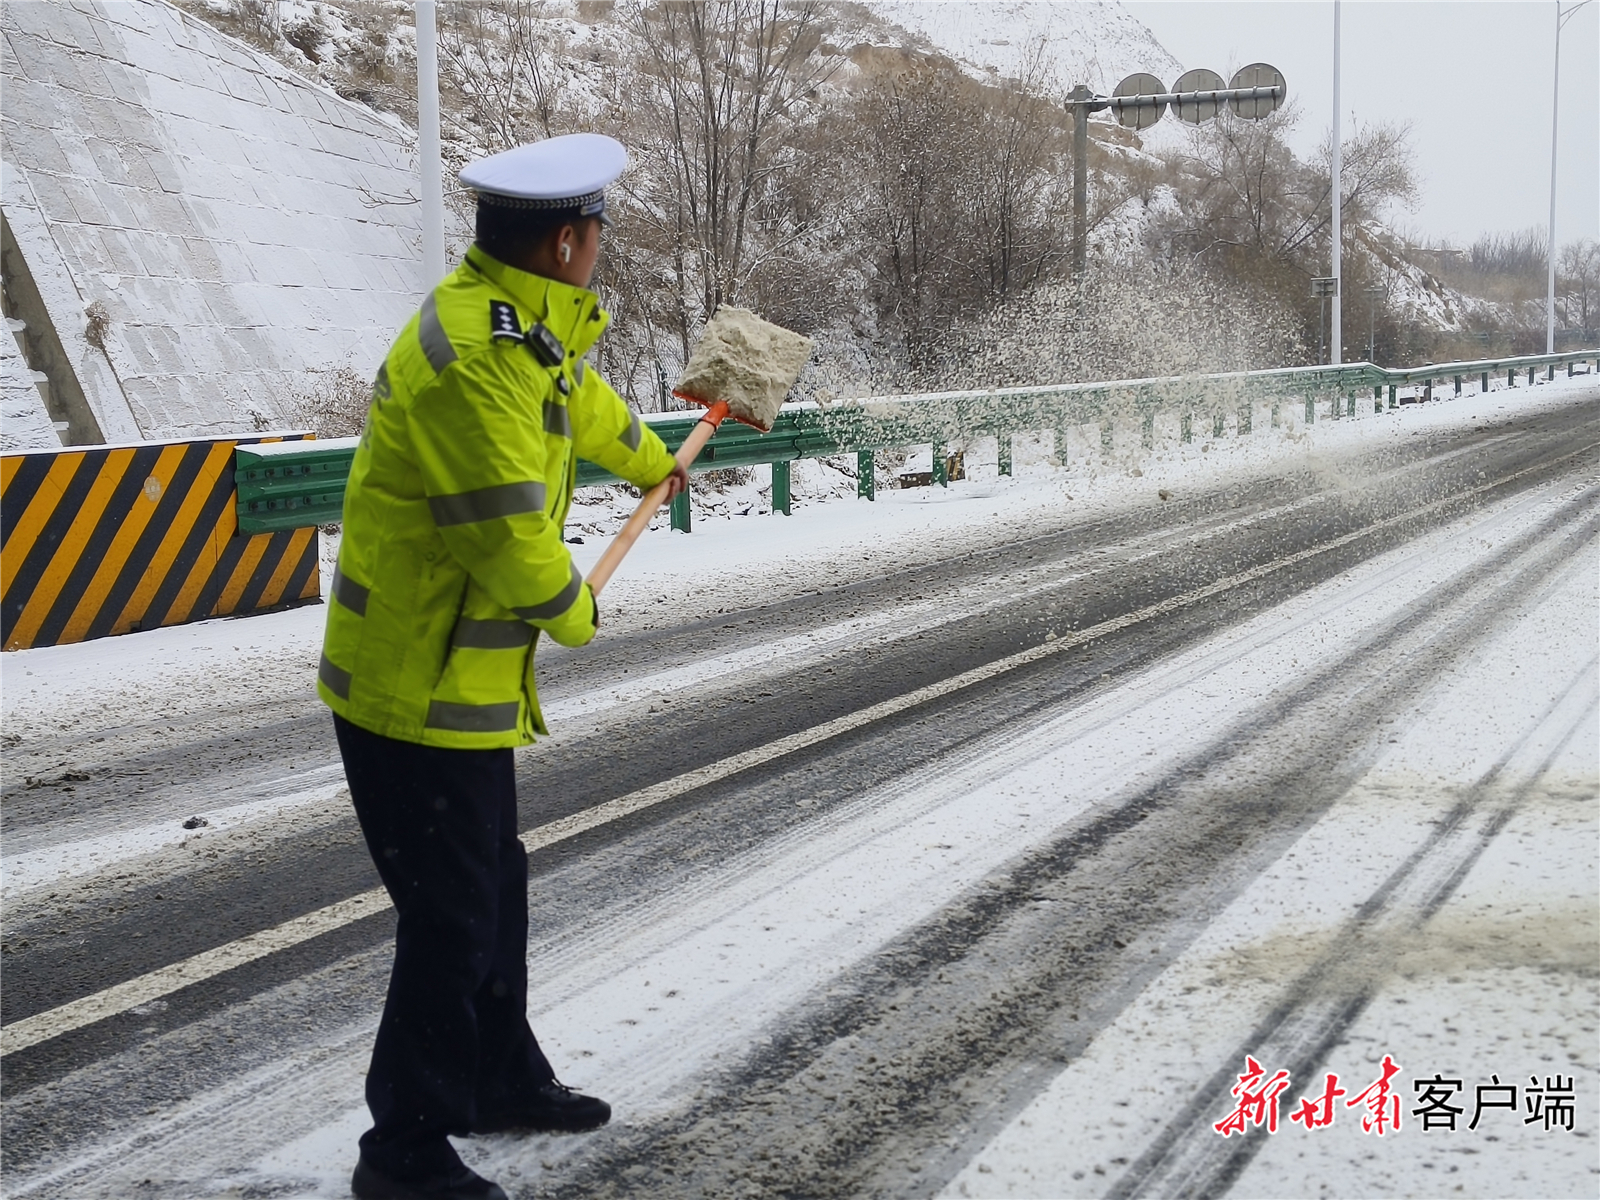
647,1000
57,863
1482,991
742,558
1499,981
1487,989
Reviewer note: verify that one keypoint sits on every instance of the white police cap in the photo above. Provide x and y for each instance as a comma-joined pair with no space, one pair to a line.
566,172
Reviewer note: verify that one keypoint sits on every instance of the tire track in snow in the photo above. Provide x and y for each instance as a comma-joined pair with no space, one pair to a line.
1189,1158
881,1086
190,1128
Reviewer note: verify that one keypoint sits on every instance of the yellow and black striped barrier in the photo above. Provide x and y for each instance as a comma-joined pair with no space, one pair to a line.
100,540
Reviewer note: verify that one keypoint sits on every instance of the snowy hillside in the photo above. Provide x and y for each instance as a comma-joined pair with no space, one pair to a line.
1095,44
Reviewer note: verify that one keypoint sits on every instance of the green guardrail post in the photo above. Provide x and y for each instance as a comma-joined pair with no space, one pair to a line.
1427,392
1349,404
1531,370
1108,436
1511,377
1484,383
1277,415
681,513
1186,427
1458,385
780,487
866,475
1569,370
940,465
1550,372
1244,416
1219,425
1311,410
1147,431
1003,453
1394,396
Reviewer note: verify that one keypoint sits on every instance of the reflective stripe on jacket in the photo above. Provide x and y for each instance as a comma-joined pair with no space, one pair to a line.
452,558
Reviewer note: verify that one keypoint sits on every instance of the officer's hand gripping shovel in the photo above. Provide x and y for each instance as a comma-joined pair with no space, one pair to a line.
741,367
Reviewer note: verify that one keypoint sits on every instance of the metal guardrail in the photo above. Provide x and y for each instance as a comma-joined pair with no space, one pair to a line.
284,487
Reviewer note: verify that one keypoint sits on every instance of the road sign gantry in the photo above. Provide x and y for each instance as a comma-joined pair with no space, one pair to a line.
1256,91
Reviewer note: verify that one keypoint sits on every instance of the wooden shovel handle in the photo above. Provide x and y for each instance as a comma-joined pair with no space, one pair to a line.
654,498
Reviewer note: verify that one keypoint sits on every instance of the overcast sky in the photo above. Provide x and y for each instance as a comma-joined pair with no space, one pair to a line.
1474,80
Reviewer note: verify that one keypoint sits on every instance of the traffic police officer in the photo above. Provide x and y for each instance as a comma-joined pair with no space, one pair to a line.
452,565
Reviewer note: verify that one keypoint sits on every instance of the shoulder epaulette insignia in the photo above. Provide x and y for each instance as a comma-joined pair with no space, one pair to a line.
503,321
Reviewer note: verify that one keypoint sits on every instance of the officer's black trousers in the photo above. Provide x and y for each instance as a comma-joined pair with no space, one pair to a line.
454,1040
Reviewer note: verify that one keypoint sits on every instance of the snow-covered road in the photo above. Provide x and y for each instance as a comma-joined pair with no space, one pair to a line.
983,846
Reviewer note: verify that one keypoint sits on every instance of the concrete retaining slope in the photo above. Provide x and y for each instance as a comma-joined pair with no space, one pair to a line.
24,423
193,233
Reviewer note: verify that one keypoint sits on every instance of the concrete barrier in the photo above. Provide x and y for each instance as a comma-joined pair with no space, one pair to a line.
113,539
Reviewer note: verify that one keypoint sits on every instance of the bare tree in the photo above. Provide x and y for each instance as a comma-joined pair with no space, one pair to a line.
912,138
1020,177
499,56
955,186
1578,277
1242,193
722,89
1246,206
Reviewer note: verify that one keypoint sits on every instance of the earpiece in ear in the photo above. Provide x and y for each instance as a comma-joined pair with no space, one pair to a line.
566,252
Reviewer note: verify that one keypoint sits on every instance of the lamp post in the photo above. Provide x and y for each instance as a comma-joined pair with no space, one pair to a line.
1563,15
1336,198
430,165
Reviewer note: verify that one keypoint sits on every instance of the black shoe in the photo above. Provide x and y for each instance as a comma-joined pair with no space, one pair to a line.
551,1108
463,1184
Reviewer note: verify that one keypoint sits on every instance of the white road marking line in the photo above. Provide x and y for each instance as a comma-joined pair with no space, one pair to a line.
76,1014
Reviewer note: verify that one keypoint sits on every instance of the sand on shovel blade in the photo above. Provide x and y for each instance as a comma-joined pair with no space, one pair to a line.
748,362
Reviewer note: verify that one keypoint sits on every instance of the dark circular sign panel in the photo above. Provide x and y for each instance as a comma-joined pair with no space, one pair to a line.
1140,116
1198,80
1259,75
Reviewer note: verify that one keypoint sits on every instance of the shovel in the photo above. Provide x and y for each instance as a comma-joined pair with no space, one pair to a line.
742,367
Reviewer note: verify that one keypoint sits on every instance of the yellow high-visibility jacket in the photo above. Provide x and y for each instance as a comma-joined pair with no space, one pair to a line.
452,557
